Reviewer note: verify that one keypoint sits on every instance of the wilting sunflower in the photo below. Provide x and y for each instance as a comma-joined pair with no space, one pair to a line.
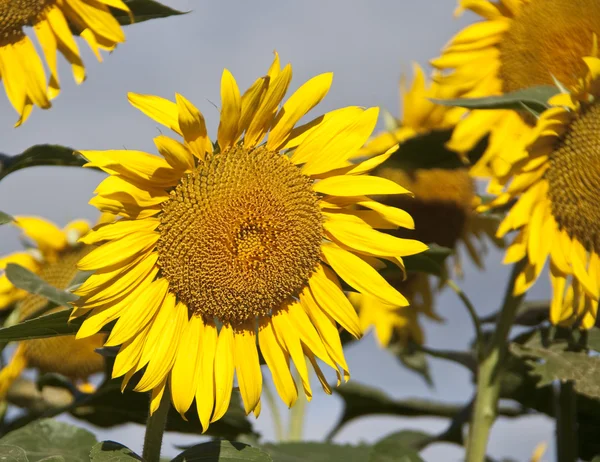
520,44
556,211
54,258
439,196
53,22
229,248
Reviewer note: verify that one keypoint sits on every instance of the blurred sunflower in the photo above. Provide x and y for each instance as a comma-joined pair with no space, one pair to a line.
520,44
439,196
556,212
229,248
53,22
54,258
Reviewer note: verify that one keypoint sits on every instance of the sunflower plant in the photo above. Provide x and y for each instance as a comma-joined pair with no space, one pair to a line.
231,268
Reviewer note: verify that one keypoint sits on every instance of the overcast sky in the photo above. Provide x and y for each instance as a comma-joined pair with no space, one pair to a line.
367,44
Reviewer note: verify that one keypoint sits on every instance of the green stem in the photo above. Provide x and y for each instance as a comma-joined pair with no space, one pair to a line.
489,374
155,428
272,402
566,423
297,413
472,314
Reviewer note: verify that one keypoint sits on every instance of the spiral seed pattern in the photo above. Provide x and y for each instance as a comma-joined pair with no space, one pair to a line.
240,235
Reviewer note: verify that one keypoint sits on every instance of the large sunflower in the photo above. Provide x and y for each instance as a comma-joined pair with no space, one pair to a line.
519,44
54,259
439,196
53,22
556,212
229,248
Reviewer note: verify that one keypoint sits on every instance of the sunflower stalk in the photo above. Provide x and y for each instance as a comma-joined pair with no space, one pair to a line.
297,414
489,374
566,422
155,429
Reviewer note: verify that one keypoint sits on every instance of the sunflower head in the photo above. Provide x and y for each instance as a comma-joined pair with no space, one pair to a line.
225,249
21,67
54,259
556,188
518,44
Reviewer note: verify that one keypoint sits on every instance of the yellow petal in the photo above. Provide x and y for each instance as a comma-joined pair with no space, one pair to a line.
139,313
331,119
158,109
247,366
231,111
45,234
332,146
175,153
185,373
164,334
119,229
370,241
140,168
193,127
333,301
264,115
119,251
394,215
360,275
346,185
278,361
251,100
224,370
327,329
303,100
156,396
205,389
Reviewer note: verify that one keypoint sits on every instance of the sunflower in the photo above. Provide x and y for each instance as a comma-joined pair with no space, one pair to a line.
227,249
519,44
54,258
555,210
419,114
53,22
439,196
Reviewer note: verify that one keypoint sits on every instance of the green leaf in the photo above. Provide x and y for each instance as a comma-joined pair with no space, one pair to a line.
361,400
11,453
223,451
530,313
393,448
38,155
429,150
24,279
109,451
144,10
412,358
5,218
533,98
411,439
48,439
317,452
553,364
108,407
48,325
431,261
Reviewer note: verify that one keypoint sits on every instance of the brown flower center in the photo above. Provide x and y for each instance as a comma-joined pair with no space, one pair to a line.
16,14
240,235
440,206
548,37
76,359
574,179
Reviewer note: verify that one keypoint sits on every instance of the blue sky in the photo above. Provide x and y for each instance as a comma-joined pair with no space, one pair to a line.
367,45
